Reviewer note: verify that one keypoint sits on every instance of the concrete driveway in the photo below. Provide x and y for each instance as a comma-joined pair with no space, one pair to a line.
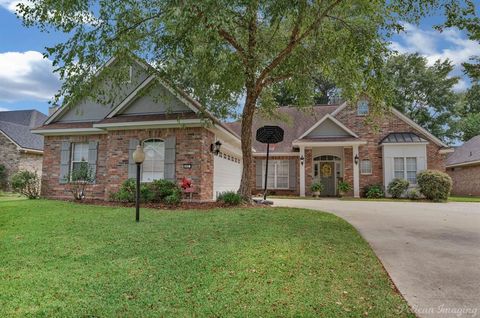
430,250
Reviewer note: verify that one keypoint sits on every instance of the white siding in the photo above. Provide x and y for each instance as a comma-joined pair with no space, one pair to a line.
227,173
405,151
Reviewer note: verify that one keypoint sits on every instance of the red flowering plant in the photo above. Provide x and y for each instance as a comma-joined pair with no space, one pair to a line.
186,183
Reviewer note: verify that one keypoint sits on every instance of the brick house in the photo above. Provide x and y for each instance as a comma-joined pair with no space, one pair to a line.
463,165
19,148
326,144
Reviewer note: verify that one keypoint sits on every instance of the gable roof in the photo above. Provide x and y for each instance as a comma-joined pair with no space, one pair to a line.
468,153
16,126
323,120
298,123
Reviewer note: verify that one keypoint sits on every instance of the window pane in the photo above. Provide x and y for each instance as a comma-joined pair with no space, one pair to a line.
399,168
411,164
412,170
153,166
362,107
366,167
80,152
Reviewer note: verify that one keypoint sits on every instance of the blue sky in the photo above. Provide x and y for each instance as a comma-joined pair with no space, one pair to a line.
27,80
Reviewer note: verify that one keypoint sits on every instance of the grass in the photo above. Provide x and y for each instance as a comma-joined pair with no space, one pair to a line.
450,199
463,199
59,259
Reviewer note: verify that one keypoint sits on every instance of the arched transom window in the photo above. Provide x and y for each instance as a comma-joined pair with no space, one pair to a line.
153,166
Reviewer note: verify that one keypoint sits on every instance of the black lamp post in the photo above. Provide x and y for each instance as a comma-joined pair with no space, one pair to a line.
138,157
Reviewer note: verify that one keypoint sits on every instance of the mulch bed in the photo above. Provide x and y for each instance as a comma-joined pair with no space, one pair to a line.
162,206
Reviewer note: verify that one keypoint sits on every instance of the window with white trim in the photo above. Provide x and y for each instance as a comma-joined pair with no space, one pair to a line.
366,166
79,156
153,166
405,168
362,108
278,174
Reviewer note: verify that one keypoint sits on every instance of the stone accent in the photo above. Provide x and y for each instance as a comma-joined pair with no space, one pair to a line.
466,180
14,159
192,147
373,133
277,191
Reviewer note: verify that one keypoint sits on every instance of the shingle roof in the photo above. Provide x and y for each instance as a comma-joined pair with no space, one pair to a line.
297,122
17,124
403,137
468,152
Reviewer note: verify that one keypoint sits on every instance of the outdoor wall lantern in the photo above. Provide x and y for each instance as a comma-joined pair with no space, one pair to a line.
302,158
138,157
356,159
215,148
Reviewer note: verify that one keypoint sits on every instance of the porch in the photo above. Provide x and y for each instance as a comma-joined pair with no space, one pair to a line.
329,162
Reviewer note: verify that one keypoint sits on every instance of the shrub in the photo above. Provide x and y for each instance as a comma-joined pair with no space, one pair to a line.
316,187
343,187
79,180
174,198
230,198
163,188
374,191
26,183
397,187
434,185
156,191
413,194
3,177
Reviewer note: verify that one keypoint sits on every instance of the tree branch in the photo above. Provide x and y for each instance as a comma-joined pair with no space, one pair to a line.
293,43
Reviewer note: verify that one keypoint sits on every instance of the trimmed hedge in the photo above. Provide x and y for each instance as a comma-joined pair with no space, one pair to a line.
434,185
397,187
157,191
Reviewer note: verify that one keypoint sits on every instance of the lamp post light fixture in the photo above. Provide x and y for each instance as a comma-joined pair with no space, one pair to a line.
138,157
215,148
302,158
357,159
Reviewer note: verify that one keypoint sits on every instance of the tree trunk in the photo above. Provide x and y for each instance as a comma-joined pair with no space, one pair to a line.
245,189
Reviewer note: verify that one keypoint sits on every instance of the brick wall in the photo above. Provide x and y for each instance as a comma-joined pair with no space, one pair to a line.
15,160
192,147
466,180
373,133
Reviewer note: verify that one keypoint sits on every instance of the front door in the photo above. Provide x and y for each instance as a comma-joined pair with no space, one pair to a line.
327,178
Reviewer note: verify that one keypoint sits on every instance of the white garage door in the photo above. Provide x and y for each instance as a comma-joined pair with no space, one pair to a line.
227,173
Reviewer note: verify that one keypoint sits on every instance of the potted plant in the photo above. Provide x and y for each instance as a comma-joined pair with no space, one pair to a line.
316,188
343,188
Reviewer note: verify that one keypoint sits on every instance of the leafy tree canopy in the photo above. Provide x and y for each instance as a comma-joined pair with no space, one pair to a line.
424,93
469,111
223,50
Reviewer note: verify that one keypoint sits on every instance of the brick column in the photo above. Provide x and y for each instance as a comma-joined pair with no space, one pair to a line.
308,170
348,167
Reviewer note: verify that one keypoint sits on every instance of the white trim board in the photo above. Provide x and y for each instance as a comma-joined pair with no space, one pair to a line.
327,143
335,121
277,154
69,131
470,163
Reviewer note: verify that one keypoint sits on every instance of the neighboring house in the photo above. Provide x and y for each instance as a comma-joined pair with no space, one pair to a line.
19,148
463,165
327,144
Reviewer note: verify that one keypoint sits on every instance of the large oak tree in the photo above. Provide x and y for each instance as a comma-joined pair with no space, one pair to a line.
223,51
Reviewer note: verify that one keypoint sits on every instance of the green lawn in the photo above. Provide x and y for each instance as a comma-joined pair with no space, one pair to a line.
59,259
464,199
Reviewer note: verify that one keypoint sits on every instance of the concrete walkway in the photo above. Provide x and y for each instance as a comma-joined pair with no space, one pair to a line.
430,250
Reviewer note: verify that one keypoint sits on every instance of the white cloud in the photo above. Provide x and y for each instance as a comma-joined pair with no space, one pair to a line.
11,5
3,109
450,44
26,76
